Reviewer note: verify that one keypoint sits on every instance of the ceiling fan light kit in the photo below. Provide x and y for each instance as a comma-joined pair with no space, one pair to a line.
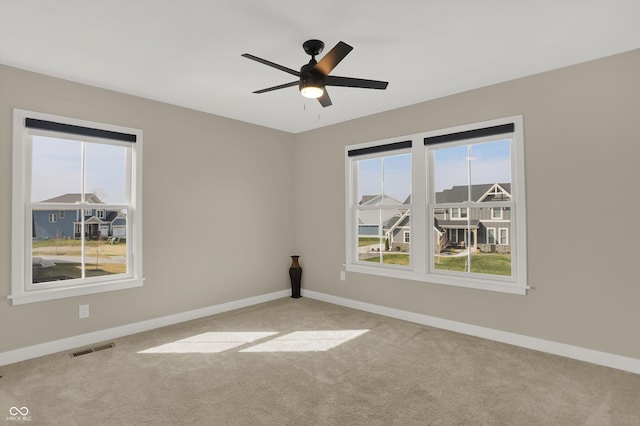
314,76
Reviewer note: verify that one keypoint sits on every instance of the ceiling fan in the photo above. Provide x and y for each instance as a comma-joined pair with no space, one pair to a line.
314,76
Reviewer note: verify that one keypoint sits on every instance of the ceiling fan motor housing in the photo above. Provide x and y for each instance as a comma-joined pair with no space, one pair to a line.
310,77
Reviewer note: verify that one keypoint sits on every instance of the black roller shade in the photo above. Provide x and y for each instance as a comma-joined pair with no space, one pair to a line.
469,134
379,148
34,123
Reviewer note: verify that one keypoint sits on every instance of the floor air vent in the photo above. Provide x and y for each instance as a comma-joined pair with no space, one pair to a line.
94,349
103,347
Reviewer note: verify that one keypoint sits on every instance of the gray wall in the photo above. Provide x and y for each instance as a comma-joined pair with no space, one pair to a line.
202,176
582,146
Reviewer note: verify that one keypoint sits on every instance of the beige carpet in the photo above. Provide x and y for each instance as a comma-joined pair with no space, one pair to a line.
263,366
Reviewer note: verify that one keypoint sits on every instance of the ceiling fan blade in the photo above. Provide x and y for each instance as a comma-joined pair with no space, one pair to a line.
282,86
333,58
333,80
325,100
271,64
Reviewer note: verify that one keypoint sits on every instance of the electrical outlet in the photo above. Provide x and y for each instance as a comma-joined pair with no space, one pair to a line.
343,275
83,311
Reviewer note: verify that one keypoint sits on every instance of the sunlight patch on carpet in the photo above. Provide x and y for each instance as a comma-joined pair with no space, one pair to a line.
297,341
306,341
211,342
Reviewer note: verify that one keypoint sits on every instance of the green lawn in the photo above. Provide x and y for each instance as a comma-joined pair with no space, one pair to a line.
391,258
497,264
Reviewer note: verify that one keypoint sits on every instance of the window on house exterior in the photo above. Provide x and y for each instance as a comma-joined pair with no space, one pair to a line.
459,213
462,179
69,166
101,213
503,236
407,237
53,217
491,235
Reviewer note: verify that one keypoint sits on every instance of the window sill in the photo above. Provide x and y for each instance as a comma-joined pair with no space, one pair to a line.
80,290
480,284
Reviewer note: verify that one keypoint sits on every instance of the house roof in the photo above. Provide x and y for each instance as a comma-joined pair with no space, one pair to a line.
374,200
74,198
457,224
459,193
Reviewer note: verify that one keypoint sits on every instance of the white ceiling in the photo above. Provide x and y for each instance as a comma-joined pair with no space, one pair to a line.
187,52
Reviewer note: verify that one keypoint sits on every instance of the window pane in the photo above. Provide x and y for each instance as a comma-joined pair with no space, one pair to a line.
451,172
471,245
396,246
386,241
106,173
397,179
56,169
370,182
491,163
57,250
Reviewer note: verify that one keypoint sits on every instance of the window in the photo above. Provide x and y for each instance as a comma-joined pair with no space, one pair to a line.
63,169
447,186
407,238
491,235
503,236
459,213
382,204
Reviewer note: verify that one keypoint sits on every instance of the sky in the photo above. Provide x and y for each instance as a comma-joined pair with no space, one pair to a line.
489,162
57,169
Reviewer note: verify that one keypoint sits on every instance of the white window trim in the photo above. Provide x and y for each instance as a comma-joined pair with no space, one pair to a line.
421,261
53,217
406,236
21,217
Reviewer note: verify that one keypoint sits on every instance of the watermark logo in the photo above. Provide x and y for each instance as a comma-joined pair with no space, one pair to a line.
18,414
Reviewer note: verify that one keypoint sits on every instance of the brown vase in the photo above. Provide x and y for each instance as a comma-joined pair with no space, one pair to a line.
295,273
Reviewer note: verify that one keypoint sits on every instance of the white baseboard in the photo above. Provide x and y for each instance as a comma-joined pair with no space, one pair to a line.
48,348
575,352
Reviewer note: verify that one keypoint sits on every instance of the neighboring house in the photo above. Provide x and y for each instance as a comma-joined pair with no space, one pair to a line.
484,229
369,220
395,222
98,222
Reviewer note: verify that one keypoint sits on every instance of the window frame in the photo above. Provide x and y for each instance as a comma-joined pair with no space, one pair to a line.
394,149
422,244
22,290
